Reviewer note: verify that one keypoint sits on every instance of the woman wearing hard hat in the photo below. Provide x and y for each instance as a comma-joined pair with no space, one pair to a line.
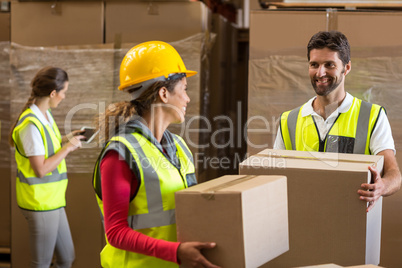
143,164
41,170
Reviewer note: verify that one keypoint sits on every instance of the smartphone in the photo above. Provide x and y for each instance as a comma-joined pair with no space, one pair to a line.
89,133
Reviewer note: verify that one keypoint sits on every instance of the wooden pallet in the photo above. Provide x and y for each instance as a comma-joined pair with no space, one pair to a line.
5,257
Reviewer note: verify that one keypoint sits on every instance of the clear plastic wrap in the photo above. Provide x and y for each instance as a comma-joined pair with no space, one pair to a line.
4,104
93,80
279,82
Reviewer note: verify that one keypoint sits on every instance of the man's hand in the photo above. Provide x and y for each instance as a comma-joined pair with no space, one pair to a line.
386,185
189,255
373,191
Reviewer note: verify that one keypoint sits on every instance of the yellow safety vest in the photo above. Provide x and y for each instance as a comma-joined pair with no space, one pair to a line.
33,193
152,211
350,133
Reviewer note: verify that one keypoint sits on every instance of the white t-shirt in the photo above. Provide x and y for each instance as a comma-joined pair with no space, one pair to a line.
381,138
30,136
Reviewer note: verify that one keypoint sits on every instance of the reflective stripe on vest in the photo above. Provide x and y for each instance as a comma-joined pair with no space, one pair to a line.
35,193
367,116
156,216
55,176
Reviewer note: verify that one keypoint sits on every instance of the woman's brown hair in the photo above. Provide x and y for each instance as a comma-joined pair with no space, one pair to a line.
45,81
118,114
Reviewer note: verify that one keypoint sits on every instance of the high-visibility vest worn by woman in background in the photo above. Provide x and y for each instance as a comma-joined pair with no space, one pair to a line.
41,181
143,164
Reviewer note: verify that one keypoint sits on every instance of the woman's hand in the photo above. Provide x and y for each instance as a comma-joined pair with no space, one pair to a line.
73,143
42,166
189,255
71,135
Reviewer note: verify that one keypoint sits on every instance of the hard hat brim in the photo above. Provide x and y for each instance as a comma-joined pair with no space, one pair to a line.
122,87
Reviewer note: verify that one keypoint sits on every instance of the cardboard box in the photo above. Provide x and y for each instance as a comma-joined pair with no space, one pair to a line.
57,23
127,22
245,215
365,29
4,26
327,221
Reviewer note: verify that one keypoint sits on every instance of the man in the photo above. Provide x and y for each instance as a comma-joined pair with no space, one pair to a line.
335,121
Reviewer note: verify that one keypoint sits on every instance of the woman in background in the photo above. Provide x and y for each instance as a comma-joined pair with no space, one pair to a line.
143,164
41,170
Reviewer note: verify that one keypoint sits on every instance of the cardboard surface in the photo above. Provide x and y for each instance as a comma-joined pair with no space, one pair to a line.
143,21
327,221
69,23
267,28
391,236
4,26
245,215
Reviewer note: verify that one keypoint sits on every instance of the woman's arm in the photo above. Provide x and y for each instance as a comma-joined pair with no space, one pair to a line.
34,149
118,185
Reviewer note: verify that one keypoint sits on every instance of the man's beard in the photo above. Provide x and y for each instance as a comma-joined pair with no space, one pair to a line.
326,90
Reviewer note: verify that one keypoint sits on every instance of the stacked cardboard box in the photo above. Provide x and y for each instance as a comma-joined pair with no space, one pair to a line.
4,26
57,23
245,215
327,221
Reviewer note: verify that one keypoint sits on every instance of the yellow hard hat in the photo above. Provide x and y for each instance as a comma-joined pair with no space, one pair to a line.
153,60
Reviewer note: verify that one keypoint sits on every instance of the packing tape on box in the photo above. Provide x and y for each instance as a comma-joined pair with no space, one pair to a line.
209,193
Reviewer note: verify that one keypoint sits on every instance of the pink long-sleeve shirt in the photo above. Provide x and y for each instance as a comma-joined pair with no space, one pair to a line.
118,185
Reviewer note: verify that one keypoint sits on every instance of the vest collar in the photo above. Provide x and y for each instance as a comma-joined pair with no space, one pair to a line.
167,145
343,108
35,109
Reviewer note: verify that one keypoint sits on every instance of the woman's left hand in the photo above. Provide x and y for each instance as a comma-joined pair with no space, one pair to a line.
71,135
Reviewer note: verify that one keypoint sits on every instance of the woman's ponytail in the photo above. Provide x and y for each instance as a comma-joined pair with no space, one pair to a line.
28,104
115,116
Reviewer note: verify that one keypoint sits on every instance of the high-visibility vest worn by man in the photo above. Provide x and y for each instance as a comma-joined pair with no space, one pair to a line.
33,193
350,133
335,121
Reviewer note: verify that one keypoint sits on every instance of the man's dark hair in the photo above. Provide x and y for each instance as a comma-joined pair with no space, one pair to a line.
334,40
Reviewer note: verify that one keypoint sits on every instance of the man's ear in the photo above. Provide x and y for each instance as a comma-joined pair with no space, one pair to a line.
348,67
164,94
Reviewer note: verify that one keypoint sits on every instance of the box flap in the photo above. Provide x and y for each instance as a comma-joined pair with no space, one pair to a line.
317,160
230,183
